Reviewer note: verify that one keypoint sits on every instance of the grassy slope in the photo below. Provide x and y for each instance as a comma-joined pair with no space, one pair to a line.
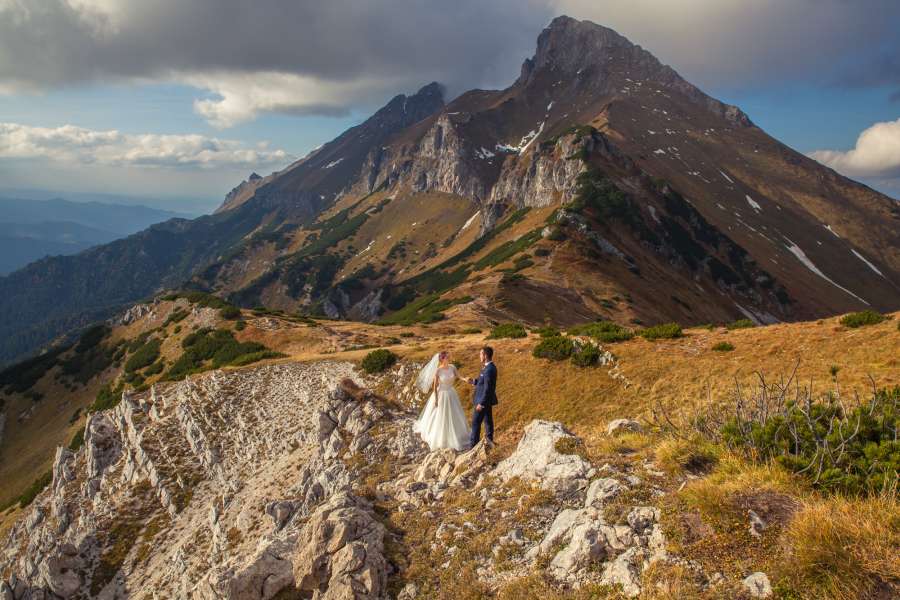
679,373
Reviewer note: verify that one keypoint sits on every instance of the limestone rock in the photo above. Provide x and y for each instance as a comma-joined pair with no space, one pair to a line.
537,459
601,490
757,584
618,426
341,556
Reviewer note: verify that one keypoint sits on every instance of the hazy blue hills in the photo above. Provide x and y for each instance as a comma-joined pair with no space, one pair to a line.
33,229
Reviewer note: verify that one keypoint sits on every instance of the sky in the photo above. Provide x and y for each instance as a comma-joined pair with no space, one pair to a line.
177,101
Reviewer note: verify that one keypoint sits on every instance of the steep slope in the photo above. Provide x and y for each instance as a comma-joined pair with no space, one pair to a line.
56,295
718,220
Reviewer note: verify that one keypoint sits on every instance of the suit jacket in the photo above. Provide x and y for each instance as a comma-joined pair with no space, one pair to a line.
486,386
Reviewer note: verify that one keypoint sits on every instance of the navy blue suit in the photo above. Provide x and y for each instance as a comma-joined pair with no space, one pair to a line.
485,397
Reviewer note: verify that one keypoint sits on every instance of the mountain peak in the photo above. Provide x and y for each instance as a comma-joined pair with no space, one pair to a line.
570,44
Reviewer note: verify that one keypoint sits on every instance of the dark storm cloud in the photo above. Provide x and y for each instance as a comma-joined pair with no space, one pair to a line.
53,42
325,56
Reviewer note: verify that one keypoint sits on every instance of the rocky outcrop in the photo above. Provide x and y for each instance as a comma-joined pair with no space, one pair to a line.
547,175
538,458
439,161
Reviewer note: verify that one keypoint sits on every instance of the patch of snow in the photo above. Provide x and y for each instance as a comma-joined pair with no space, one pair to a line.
833,232
801,256
653,213
367,248
549,106
484,153
651,132
469,222
333,163
727,178
414,223
753,204
659,151
526,141
863,258
720,206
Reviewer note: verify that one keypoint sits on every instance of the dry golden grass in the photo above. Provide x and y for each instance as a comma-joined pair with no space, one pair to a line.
681,373
844,548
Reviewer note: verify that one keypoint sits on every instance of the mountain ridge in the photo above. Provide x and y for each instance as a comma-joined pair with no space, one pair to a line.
678,184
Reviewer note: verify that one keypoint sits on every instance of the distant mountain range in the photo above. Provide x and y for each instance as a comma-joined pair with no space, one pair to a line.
33,229
600,184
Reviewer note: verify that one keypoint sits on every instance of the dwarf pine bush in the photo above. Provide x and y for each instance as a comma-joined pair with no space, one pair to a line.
862,318
851,450
665,331
555,347
508,330
379,360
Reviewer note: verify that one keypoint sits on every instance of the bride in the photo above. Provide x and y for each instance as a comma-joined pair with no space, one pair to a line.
442,423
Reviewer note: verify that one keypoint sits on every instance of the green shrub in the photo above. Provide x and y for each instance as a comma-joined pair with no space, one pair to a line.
77,440
230,312
155,369
240,325
554,348
587,355
246,359
508,330
856,452
471,330
379,360
862,318
176,316
407,334
664,331
741,324
107,397
91,337
546,331
723,347
603,331
144,356
212,349
542,252
36,487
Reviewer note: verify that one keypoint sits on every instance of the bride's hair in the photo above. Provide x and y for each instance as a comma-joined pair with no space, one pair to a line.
443,355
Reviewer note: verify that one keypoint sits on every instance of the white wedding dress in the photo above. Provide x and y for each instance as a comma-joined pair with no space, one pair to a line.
442,423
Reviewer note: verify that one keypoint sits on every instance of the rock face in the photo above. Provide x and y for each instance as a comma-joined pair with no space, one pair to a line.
216,487
538,458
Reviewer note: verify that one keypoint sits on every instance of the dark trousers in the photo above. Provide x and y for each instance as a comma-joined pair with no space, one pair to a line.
478,416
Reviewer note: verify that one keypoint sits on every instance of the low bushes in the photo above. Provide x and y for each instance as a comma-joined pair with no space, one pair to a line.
508,330
230,312
862,318
554,348
143,356
606,332
835,446
723,347
379,360
664,331
586,355
107,397
741,324
212,349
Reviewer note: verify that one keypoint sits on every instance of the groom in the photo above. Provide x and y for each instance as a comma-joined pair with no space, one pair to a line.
485,397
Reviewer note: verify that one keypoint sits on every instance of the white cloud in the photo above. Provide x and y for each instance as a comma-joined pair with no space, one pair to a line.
71,144
877,153
240,97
